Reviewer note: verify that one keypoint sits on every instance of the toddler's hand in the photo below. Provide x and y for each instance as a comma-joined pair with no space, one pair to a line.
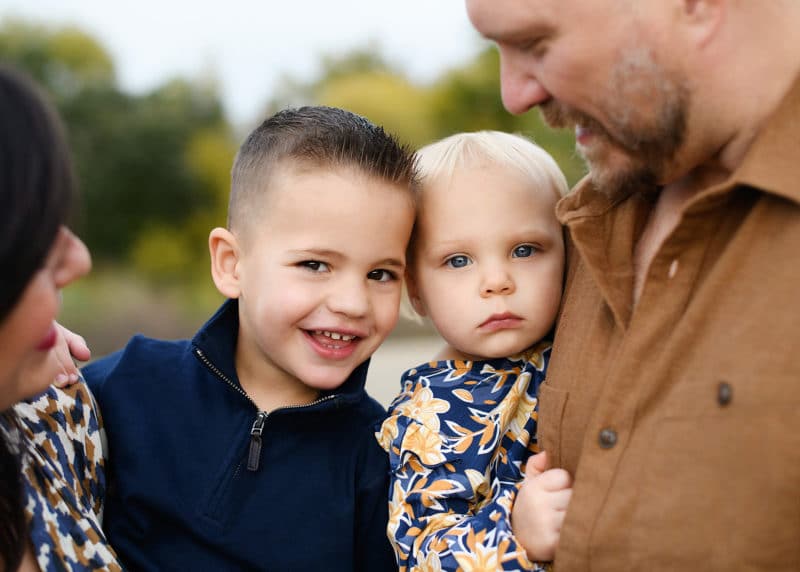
69,345
540,507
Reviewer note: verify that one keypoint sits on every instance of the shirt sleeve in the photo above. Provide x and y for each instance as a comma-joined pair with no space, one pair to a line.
455,457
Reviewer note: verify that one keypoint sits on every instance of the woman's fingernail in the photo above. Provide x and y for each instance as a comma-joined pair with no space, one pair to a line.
61,379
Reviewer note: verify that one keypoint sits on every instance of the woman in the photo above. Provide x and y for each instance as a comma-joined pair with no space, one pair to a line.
52,477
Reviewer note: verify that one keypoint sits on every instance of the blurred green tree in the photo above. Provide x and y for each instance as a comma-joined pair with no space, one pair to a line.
468,99
131,151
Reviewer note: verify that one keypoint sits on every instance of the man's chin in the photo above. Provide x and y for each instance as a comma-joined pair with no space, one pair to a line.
613,172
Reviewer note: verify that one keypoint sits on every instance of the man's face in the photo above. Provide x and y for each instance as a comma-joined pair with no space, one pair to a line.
592,67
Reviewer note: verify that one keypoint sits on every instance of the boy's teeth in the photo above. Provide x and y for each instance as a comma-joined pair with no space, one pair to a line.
334,335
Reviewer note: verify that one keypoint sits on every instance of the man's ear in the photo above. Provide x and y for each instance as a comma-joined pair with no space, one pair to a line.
704,17
225,255
413,295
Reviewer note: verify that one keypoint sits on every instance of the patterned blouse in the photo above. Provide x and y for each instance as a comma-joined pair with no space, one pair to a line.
457,437
58,437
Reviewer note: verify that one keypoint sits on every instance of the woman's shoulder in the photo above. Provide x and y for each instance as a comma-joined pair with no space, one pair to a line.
71,409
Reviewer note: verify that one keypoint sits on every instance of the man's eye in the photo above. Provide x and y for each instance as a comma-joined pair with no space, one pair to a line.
382,275
523,251
458,261
314,265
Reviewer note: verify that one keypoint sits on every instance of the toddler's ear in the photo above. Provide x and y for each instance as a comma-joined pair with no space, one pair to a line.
224,249
413,296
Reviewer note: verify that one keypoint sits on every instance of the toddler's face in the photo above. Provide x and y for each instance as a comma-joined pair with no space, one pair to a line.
488,262
321,277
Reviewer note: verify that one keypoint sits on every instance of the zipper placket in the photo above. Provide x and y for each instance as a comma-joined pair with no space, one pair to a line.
254,450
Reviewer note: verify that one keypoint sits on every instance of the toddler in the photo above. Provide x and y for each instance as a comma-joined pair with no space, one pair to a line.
486,265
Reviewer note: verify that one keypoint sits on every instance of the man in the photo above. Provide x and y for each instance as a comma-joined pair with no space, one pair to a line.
674,389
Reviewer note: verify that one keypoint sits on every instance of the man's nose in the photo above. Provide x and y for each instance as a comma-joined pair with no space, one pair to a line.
520,87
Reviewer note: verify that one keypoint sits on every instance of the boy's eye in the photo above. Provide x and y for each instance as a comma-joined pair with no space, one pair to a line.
382,275
314,265
523,251
458,261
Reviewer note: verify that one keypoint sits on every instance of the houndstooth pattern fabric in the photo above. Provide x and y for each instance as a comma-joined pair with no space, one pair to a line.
58,437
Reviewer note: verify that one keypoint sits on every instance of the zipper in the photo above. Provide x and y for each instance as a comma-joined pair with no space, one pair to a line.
254,450
254,453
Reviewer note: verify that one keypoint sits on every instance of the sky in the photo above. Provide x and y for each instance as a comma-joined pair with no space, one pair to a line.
251,46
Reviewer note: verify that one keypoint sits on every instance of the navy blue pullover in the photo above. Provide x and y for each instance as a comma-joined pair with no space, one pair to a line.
193,486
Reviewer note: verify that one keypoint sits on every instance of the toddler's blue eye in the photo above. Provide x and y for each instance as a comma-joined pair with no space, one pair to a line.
314,265
458,261
382,275
523,251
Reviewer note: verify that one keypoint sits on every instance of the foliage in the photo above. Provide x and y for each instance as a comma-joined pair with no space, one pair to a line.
130,151
153,168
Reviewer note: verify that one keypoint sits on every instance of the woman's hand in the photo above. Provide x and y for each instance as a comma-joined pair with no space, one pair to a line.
69,347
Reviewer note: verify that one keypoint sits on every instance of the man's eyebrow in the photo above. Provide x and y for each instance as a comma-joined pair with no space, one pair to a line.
522,34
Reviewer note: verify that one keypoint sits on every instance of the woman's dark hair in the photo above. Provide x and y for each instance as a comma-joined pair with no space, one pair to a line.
35,183
35,194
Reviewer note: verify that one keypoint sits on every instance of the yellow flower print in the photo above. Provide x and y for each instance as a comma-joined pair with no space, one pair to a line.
430,563
422,406
459,369
480,556
424,443
387,433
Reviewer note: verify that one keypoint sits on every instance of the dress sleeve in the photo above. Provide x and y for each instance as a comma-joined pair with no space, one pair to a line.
456,451
67,428
373,552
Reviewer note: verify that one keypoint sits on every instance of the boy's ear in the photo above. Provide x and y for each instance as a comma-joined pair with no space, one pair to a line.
413,295
224,249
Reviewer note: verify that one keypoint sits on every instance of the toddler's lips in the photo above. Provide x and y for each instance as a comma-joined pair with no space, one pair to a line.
503,321
48,341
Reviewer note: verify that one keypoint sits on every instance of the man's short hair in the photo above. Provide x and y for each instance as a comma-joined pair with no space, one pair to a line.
314,137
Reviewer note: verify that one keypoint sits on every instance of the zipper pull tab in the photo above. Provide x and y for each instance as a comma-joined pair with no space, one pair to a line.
254,455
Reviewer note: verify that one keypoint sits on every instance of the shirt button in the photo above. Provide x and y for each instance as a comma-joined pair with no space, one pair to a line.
608,438
724,393
673,269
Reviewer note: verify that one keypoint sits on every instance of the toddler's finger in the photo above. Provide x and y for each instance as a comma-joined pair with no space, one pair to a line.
536,465
554,480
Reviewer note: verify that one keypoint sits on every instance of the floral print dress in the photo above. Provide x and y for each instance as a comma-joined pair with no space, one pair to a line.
458,437
57,436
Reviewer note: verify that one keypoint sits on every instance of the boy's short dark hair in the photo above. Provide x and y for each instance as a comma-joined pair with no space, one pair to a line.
315,137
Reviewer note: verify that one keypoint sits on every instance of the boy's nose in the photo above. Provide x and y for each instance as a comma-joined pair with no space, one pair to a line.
348,297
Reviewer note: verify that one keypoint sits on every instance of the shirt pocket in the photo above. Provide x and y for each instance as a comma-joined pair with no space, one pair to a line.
720,480
552,402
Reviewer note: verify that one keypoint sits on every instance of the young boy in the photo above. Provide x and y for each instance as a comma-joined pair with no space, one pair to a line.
486,265
251,446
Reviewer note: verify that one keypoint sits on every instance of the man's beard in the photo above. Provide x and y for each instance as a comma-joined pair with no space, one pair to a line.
649,144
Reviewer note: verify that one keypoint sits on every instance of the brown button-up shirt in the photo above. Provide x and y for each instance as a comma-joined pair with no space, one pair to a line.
680,417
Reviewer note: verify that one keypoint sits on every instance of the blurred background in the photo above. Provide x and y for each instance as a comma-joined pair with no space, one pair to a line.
157,96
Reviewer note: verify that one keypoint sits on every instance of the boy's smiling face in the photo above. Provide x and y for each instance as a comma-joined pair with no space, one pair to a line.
488,261
318,277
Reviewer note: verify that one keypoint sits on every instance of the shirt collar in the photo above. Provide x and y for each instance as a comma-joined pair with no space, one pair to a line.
772,161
